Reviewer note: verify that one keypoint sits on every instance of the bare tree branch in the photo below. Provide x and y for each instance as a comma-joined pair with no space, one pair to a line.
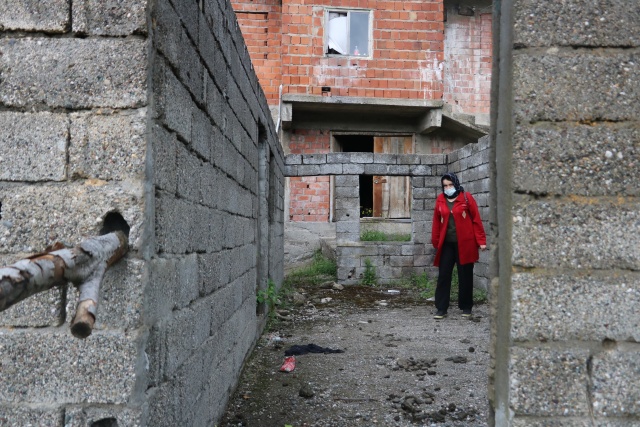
83,265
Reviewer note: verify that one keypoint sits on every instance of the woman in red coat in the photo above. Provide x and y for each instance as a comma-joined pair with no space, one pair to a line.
457,233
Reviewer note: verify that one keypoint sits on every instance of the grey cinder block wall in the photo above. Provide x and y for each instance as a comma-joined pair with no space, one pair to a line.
567,218
150,110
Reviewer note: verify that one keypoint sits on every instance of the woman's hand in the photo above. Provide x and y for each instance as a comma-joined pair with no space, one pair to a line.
483,247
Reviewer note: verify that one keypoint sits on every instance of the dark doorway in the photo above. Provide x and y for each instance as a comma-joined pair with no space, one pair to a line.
360,144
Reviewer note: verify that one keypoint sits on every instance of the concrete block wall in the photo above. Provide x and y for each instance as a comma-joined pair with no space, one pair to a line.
74,97
219,199
565,341
161,120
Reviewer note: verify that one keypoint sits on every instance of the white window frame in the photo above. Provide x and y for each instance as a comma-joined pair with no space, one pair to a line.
347,11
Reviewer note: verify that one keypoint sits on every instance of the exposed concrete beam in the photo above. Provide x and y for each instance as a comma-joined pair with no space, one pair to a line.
431,121
286,115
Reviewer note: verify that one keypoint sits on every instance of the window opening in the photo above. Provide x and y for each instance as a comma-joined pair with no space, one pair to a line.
348,33
360,144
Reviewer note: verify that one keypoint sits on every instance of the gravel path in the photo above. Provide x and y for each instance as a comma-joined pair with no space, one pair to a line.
400,367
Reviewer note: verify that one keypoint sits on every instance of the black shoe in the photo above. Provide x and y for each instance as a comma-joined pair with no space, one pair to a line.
440,314
466,313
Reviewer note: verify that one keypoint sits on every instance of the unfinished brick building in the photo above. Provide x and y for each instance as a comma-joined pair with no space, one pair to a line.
395,77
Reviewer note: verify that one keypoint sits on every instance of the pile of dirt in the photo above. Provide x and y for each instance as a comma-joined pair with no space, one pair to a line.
400,367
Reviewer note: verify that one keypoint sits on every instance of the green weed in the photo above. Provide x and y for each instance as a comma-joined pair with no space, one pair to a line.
320,270
369,276
380,236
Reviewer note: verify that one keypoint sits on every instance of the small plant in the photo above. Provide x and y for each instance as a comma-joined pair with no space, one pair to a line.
269,296
380,236
365,212
369,276
320,270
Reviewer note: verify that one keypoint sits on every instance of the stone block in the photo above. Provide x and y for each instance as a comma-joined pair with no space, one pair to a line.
73,73
17,416
420,170
33,146
616,379
164,144
189,12
387,159
172,225
362,157
106,363
82,416
347,181
309,170
376,169
40,310
121,296
314,159
433,159
291,170
398,170
108,146
109,18
548,155
35,217
174,104
160,293
575,233
35,15
407,159
401,261
338,157
187,331
591,24
569,96
348,227
294,159
331,169
201,132
576,306
552,422
548,382
189,168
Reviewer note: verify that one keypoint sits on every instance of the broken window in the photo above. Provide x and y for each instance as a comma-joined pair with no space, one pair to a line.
348,33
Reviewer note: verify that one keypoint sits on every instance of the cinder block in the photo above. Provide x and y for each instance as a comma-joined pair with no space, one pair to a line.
420,170
189,328
387,159
309,170
35,15
101,18
201,133
570,95
40,310
159,294
547,156
347,181
189,169
398,170
616,375
189,13
87,416
314,159
362,157
68,214
536,24
407,159
33,146
574,307
433,159
330,169
74,73
121,296
552,422
105,361
16,416
573,233
108,146
164,144
376,169
174,103
338,157
548,382
172,225
294,159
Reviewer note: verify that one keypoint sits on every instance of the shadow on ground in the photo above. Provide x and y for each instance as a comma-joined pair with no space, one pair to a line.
400,367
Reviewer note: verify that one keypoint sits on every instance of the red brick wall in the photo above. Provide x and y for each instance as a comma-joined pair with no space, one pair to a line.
260,22
408,46
309,196
467,65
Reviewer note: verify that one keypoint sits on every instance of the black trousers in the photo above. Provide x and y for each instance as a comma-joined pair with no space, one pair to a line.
448,259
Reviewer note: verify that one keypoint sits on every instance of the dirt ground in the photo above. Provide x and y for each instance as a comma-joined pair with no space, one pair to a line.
400,367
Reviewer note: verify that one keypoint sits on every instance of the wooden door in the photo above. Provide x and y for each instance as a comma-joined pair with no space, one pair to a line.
392,194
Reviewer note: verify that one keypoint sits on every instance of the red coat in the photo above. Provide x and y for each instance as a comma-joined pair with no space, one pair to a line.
469,228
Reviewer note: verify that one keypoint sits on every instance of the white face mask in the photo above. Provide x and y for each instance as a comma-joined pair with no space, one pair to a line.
450,191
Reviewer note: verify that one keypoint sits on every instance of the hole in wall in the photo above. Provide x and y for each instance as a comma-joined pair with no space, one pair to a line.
114,221
105,422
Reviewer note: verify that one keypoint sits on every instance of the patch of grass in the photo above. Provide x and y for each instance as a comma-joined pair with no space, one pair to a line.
320,270
369,277
380,236
427,287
